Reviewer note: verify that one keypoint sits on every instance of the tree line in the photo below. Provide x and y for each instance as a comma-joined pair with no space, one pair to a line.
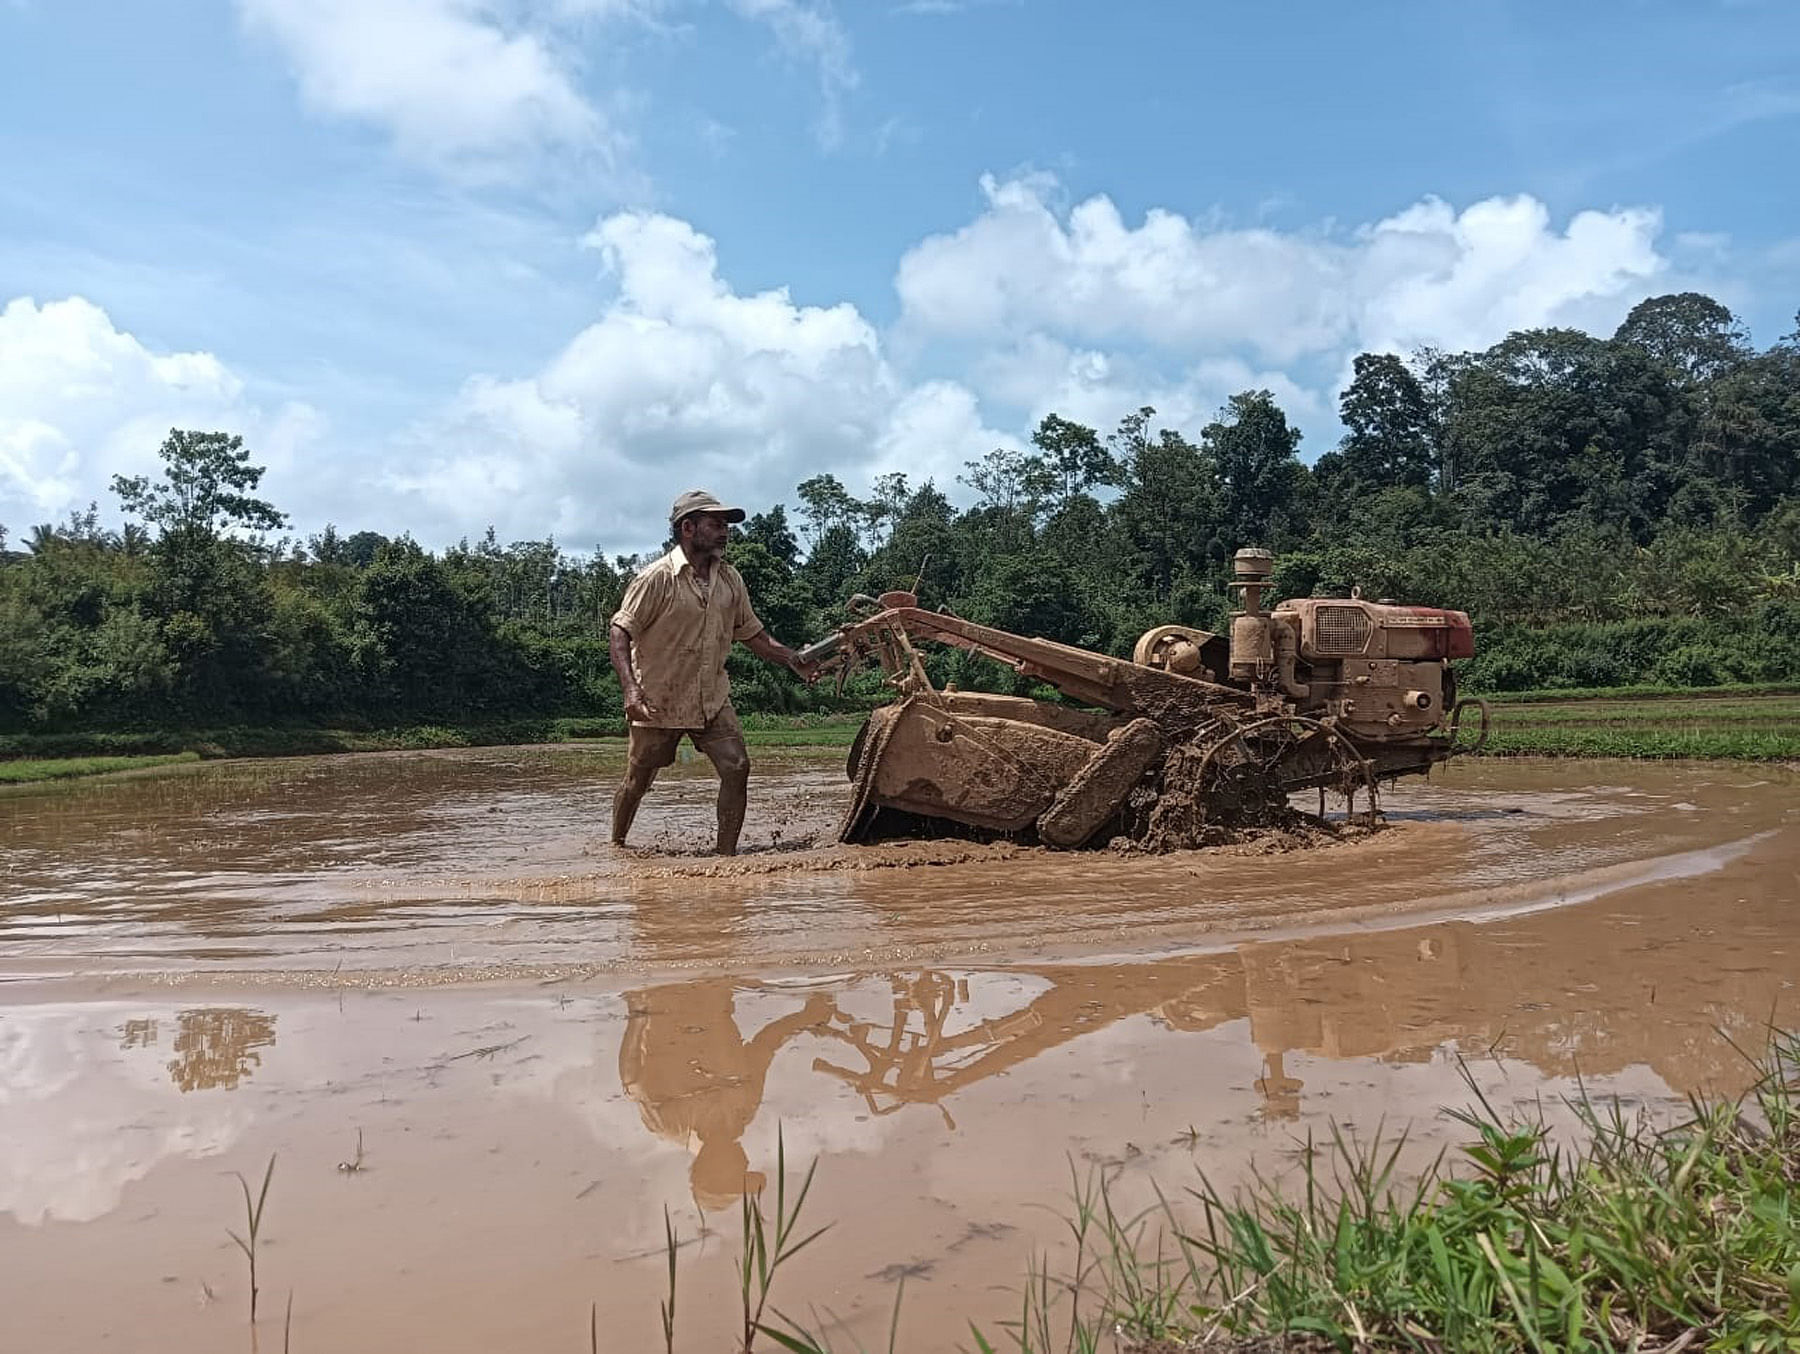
1609,510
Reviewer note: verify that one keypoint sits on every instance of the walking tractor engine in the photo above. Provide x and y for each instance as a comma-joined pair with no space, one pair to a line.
1199,734
1380,672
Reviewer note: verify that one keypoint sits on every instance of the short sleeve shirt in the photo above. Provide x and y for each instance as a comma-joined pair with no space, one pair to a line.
681,633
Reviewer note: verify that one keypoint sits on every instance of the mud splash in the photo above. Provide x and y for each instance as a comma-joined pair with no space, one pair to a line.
816,860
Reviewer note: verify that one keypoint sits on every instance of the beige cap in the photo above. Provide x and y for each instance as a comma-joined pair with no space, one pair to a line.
698,500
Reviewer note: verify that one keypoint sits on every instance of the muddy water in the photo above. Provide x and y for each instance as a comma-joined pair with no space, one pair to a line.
421,867
541,1042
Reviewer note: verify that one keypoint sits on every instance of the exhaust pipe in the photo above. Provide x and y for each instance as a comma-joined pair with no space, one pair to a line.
1287,651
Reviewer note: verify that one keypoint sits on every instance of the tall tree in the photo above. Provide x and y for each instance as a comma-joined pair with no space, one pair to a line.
1168,510
886,502
834,561
212,594
1688,332
1009,497
781,600
1002,480
1073,459
1749,436
205,489
1389,440
327,547
1517,422
1261,481
770,530
925,547
361,547
1030,594
824,504
428,645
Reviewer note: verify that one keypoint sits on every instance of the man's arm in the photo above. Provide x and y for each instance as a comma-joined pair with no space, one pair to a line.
749,631
637,709
769,1039
767,647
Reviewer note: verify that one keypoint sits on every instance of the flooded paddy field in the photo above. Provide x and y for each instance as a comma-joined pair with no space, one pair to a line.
540,1042
1740,727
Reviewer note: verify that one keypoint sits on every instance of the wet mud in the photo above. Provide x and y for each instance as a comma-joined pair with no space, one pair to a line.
539,1043
424,868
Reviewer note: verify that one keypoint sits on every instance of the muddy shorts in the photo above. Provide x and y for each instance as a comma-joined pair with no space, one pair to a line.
722,740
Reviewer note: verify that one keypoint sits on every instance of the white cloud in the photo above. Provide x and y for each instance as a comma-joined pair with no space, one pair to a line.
1716,244
446,79
481,87
1426,275
1041,375
1020,267
932,432
809,31
71,1153
1433,276
81,401
680,382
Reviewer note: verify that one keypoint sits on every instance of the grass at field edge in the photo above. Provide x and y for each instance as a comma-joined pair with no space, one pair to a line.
1641,733
23,770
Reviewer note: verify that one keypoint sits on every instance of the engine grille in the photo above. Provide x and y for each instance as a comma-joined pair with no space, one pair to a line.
1342,630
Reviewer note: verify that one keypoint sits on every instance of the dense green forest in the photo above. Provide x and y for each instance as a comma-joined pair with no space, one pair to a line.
1609,510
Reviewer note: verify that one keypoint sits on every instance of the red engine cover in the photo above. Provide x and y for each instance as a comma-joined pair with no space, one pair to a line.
1457,638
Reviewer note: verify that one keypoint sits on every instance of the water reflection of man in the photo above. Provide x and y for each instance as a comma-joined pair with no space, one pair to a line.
697,1081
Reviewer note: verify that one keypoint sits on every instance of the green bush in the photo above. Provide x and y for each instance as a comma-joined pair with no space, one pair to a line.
1677,651
1691,665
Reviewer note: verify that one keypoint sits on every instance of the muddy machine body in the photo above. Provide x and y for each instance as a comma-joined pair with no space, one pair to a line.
1197,732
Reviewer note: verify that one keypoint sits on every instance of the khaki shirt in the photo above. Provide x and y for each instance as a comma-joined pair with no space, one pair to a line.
680,636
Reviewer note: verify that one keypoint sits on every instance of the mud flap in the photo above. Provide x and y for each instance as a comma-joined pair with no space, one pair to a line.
1098,789
865,756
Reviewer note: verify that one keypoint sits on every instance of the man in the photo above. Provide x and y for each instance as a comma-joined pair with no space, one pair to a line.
669,640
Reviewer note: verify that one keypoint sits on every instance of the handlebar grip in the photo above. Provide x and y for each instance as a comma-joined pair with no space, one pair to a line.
819,650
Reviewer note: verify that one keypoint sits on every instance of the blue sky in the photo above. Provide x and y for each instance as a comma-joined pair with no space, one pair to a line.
545,263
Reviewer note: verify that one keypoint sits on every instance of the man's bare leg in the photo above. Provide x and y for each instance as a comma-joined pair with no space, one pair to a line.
732,761
631,791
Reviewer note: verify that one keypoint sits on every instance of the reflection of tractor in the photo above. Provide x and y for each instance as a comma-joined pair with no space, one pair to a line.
1197,731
